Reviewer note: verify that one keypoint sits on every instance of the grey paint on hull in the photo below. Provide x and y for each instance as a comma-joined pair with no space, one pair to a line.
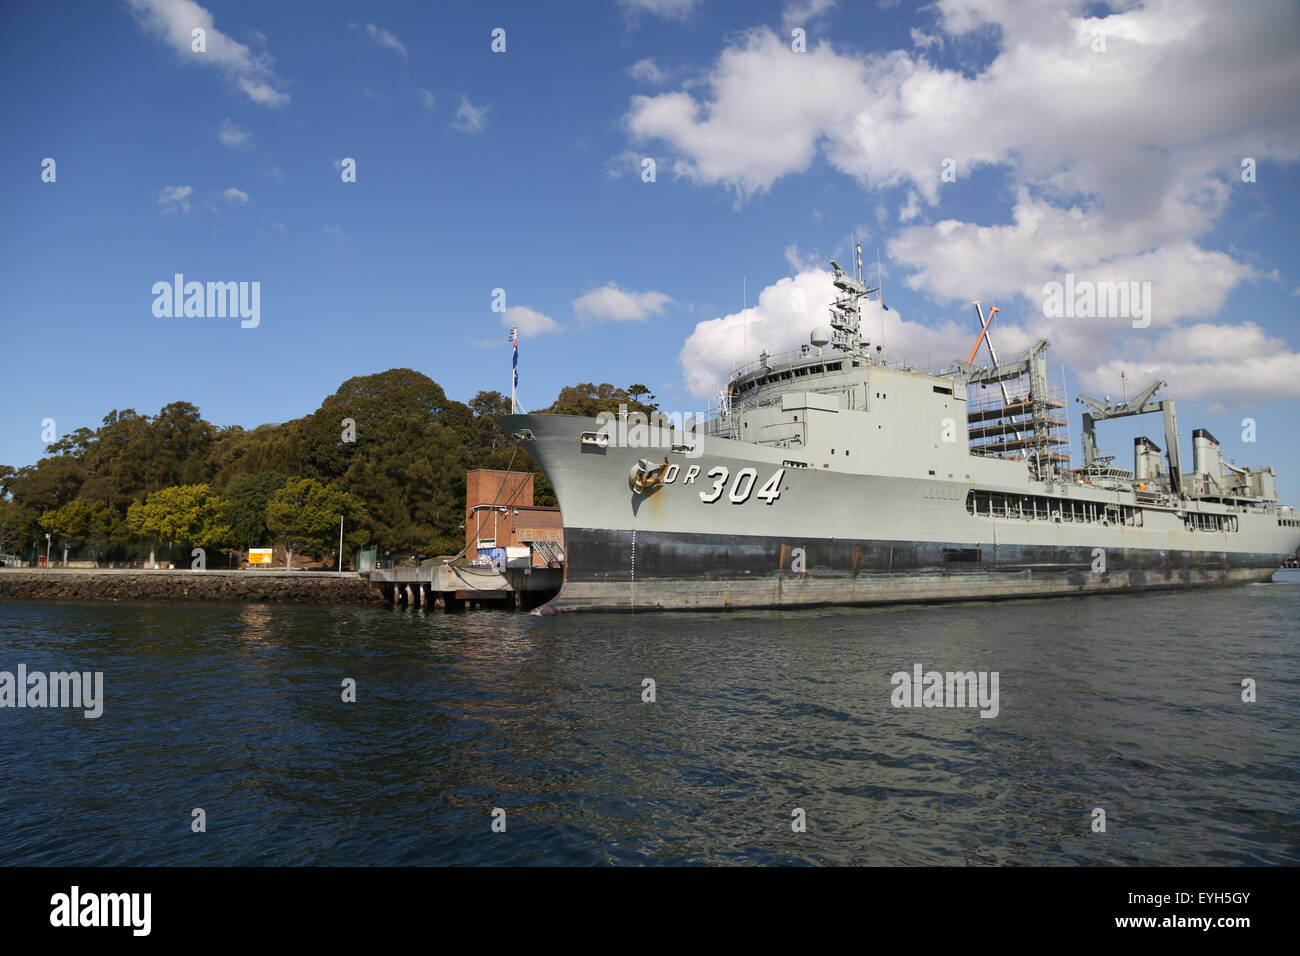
702,572
612,556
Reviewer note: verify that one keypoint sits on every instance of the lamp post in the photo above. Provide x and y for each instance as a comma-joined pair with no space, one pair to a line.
47,549
340,544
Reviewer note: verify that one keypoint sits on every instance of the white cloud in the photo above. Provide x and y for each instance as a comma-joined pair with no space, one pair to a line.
173,21
175,198
384,38
781,320
236,197
234,135
768,110
470,118
926,40
611,302
1118,162
1225,365
334,232
800,13
624,163
1220,362
529,321
1172,96
911,209
648,71
274,173
665,9
262,93
953,259
799,262
427,98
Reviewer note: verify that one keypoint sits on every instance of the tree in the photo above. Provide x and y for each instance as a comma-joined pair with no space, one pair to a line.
188,513
402,457
131,455
485,435
178,443
405,464
391,411
17,526
234,452
48,485
68,522
74,445
116,462
246,498
105,527
305,514
6,476
635,392
84,522
589,400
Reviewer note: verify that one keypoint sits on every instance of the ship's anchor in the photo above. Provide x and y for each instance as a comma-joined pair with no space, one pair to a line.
645,477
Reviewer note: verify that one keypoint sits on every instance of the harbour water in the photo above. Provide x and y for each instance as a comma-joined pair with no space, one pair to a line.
1131,704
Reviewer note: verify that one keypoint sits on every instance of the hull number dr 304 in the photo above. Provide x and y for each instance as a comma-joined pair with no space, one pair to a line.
742,486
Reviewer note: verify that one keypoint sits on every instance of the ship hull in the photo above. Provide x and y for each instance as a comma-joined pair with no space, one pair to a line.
709,572
790,537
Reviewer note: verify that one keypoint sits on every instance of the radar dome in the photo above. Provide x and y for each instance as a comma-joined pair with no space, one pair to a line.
820,336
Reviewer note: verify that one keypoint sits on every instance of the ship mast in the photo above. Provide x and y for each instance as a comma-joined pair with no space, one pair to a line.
846,314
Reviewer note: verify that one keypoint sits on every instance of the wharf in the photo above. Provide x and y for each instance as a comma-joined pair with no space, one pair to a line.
447,587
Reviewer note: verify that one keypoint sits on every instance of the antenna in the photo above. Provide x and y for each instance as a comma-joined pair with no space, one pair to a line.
858,246
880,297
744,319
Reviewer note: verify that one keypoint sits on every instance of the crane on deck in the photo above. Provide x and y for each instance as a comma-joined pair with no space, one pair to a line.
1140,404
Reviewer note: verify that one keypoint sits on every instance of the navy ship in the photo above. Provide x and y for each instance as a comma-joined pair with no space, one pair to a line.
828,476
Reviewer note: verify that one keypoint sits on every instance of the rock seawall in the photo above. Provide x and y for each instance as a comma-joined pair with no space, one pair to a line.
302,587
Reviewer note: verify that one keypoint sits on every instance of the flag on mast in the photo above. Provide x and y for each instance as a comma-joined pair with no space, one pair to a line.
514,365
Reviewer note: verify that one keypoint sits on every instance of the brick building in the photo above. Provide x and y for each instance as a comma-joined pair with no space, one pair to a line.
499,513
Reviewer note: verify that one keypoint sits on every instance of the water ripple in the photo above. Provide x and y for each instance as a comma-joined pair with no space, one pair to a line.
1131,704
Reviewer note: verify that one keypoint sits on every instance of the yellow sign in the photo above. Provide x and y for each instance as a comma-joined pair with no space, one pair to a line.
259,555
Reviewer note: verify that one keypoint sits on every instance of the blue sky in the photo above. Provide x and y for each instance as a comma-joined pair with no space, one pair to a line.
522,170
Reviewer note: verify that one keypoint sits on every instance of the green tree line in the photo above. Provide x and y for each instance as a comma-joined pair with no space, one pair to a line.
388,452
